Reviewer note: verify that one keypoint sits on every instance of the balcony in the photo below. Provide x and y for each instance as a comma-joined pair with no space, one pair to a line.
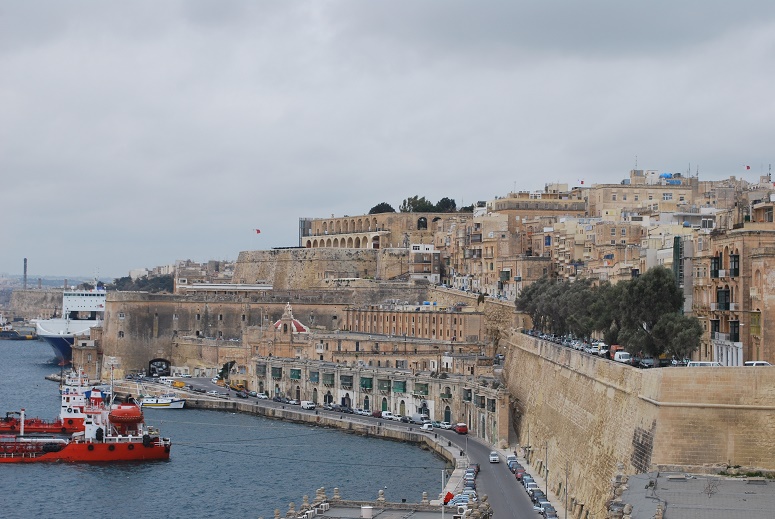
446,396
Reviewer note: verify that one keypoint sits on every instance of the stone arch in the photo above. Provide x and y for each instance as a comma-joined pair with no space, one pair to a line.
402,408
346,401
357,242
336,242
384,404
277,389
298,393
375,242
366,402
328,397
338,226
374,224
422,223
352,225
308,244
350,242
261,387
315,395
325,227
447,414
328,242
757,278
346,227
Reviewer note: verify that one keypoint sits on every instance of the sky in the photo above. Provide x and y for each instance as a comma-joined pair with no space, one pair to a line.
134,134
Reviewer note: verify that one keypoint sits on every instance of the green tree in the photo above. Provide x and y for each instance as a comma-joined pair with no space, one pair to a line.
382,207
416,204
679,334
446,205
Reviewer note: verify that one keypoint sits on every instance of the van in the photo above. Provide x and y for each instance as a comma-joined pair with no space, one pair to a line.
702,364
622,356
387,415
306,404
756,363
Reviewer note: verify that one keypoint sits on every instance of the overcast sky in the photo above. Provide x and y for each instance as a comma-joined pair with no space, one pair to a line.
133,134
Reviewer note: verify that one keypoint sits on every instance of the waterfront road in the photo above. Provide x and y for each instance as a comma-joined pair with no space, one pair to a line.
506,495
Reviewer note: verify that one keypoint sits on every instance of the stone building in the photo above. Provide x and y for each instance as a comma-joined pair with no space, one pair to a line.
732,287
425,320
481,403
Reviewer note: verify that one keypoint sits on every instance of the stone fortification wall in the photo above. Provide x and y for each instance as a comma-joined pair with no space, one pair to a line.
600,417
303,268
140,326
35,304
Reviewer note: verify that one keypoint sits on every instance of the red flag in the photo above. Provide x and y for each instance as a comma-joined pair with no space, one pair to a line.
748,167
258,231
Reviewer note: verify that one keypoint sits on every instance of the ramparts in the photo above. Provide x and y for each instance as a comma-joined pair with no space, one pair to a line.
598,418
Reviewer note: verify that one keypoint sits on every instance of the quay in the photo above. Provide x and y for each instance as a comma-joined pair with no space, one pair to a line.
453,453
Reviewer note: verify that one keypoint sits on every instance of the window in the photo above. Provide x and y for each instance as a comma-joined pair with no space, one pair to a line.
651,197
613,231
121,315
174,317
613,197
220,317
637,198
734,265
120,335
624,197
198,317
681,198
88,357
667,196
243,318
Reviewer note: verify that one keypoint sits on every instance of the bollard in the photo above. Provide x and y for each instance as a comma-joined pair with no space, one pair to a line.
449,444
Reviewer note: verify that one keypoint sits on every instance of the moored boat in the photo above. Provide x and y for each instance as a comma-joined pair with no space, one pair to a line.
81,310
168,401
111,434
12,423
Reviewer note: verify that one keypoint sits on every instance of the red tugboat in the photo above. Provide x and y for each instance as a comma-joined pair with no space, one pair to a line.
111,434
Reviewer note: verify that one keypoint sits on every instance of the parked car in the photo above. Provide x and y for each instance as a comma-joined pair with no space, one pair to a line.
199,390
241,394
445,425
426,427
647,362
475,467
494,458
213,392
293,402
252,393
376,414
396,417
460,428
262,396
406,419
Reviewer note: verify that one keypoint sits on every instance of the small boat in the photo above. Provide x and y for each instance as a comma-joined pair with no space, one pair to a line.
168,401
9,334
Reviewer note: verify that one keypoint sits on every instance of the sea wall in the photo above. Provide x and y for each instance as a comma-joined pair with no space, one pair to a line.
591,418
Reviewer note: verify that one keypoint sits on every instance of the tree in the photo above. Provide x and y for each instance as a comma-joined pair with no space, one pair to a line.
679,334
446,205
416,204
382,207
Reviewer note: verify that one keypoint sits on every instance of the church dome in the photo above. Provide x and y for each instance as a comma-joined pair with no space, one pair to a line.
296,325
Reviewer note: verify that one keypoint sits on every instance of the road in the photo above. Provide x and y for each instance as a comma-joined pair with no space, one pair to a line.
506,495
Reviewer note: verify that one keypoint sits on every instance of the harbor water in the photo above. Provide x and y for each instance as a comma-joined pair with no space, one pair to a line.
221,465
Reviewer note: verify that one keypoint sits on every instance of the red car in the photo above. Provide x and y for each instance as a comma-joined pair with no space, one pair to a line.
460,428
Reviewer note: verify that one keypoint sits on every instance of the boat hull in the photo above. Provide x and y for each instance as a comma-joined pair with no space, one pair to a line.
83,452
38,426
162,403
62,346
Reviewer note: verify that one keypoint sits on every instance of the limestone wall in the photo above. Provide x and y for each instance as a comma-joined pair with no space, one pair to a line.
592,415
35,304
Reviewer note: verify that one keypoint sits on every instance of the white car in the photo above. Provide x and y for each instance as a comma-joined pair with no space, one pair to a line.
262,396
214,380
213,392
494,458
445,425
427,427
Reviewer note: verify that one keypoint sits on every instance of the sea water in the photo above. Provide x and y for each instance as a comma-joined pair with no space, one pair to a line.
221,465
